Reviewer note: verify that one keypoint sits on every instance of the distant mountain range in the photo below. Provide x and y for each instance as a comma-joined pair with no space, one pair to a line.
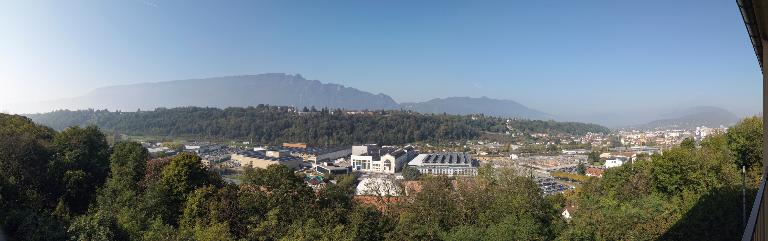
295,90
231,91
469,105
709,116
272,89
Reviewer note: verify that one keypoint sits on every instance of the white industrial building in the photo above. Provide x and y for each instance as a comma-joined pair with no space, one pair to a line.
614,163
263,159
371,158
448,164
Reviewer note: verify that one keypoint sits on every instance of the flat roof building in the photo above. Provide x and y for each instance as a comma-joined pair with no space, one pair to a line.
448,164
316,155
263,159
330,169
367,149
295,145
614,163
370,158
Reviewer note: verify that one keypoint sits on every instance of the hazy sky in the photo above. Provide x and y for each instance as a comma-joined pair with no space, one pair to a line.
565,57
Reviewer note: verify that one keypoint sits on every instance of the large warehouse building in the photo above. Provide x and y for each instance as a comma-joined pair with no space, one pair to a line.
448,164
263,159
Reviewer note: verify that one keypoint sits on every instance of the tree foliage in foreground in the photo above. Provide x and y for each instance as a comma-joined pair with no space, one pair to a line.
688,193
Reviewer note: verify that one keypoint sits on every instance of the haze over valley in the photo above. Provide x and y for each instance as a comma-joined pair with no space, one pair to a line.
294,90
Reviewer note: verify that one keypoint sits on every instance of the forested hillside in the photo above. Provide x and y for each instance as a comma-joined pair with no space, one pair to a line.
273,124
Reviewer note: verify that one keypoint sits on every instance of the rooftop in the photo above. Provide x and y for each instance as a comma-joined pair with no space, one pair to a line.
262,155
453,158
313,150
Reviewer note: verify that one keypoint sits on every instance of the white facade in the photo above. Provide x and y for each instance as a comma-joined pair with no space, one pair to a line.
378,164
392,162
158,149
191,147
613,163
365,163
389,162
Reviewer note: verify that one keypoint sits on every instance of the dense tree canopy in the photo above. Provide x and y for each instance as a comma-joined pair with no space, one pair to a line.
688,193
410,173
745,140
80,164
273,124
26,199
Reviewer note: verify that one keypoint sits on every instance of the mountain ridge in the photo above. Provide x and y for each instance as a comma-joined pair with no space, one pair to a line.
294,90
274,89
692,117
228,91
473,105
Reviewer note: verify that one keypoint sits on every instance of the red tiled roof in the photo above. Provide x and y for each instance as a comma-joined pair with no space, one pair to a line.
594,171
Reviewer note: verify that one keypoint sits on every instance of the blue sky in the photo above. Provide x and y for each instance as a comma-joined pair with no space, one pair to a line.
576,59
